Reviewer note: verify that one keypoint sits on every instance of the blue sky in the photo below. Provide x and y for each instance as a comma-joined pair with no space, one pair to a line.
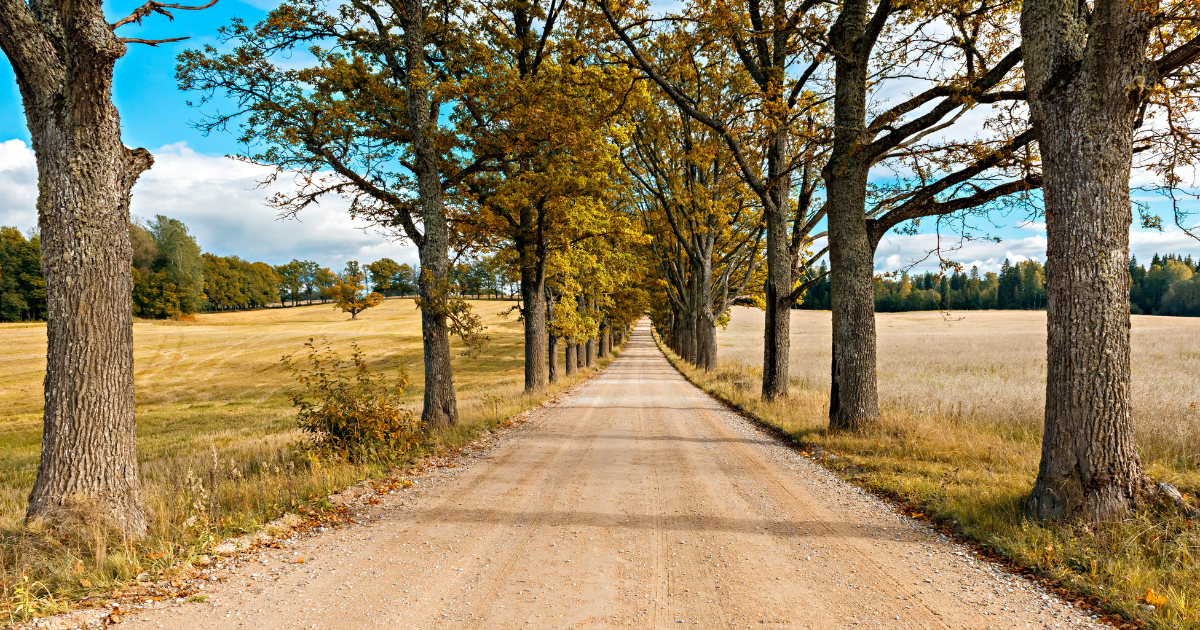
218,199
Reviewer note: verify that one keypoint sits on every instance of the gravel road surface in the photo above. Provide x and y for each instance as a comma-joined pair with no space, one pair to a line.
635,501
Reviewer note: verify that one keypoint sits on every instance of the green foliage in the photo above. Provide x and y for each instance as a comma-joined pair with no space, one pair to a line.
348,412
179,257
478,277
168,278
291,280
154,295
1166,288
392,278
233,283
1019,286
22,289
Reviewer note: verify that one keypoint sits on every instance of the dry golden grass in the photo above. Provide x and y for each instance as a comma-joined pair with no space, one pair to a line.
961,399
213,403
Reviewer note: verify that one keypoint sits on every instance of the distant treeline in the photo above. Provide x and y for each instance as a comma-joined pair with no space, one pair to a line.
1171,286
173,277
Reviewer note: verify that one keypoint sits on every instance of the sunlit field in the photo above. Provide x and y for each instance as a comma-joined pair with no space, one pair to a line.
213,401
962,396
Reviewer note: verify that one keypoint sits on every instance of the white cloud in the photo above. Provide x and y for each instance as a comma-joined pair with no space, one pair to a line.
218,200
898,251
18,185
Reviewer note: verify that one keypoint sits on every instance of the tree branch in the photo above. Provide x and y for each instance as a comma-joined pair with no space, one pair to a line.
155,7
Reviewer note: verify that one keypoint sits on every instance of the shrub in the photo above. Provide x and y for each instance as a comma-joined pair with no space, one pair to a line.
349,412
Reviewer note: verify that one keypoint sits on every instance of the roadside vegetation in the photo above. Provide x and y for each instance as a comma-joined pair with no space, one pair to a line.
220,445
960,438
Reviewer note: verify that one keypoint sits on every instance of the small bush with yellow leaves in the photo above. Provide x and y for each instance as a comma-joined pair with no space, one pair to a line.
349,412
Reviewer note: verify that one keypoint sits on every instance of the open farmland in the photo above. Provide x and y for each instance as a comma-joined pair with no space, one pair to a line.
961,399
213,399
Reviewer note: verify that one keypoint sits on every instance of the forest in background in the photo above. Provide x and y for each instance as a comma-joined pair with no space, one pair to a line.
173,277
1170,286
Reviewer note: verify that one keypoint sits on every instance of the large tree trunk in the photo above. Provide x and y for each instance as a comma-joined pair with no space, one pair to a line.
64,63
535,333
605,341
590,349
551,342
569,360
777,340
440,405
853,394
1085,127
707,342
531,250
579,362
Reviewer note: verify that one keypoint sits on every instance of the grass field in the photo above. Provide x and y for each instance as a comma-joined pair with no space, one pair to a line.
213,405
962,398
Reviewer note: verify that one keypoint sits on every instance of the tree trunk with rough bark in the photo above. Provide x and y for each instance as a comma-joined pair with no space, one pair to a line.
777,329
853,395
63,57
1085,76
590,349
440,404
551,341
605,341
531,249
569,358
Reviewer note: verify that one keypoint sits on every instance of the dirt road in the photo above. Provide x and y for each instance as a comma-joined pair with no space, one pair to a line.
635,502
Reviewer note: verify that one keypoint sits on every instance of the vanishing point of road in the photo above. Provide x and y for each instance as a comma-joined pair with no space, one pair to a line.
633,501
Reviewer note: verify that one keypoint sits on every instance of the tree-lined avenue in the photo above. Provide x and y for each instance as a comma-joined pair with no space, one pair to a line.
636,501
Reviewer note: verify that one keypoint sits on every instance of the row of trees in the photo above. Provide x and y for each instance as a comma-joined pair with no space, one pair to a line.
22,288
606,158
1168,287
807,113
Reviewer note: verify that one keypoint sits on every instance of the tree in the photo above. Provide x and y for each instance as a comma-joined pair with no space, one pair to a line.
22,289
63,56
1092,72
554,110
350,293
179,257
291,279
154,295
323,280
772,139
706,231
364,119
384,273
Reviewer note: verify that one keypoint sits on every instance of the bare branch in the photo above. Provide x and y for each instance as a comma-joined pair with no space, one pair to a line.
154,7
151,42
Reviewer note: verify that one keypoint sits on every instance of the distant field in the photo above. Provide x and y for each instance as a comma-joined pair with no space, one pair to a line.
990,366
213,399
219,379
961,399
